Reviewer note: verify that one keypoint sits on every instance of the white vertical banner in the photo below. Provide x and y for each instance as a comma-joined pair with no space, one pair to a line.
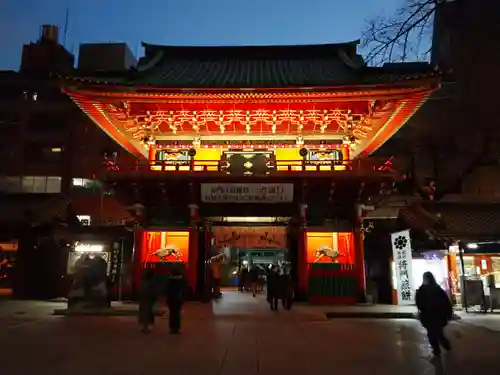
401,250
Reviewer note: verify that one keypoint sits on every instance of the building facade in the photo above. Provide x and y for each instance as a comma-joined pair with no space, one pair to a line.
52,156
248,150
449,149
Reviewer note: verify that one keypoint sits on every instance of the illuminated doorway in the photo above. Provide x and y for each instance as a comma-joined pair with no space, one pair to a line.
249,247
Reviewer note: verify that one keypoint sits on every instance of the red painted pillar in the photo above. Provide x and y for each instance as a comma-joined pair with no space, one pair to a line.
137,265
359,259
152,155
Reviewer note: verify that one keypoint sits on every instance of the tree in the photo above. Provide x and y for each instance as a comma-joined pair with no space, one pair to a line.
404,35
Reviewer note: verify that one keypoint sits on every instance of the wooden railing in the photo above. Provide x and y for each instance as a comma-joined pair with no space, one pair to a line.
274,167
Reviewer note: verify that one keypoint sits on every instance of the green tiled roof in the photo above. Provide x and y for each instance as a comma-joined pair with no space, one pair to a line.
254,67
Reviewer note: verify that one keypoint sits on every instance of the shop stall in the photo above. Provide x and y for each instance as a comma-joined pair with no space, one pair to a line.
479,263
421,262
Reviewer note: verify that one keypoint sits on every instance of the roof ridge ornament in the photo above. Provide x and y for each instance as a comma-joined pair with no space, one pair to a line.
354,63
155,60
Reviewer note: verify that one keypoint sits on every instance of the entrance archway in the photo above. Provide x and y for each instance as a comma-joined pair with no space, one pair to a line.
248,248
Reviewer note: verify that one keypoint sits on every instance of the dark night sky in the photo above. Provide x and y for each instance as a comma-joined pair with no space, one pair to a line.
185,22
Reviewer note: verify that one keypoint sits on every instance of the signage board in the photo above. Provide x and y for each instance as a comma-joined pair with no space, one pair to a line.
401,250
246,193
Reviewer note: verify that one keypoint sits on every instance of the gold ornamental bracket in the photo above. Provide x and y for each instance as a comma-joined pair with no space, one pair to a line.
336,120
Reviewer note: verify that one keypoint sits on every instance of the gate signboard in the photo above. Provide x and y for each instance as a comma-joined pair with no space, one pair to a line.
247,193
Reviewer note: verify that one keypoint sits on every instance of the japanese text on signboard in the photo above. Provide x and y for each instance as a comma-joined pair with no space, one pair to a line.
247,193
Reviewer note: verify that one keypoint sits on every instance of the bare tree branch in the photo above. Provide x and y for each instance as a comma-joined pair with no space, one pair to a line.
404,35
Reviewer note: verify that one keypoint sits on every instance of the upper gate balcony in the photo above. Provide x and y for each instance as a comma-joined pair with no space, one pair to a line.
161,169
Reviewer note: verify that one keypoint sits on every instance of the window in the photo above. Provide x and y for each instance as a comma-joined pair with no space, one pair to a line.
43,153
495,265
88,186
81,182
53,185
41,184
27,184
470,268
84,219
10,184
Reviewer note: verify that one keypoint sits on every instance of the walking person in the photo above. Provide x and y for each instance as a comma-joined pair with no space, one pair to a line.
254,279
435,311
175,299
288,291
273,288
147,301
244,279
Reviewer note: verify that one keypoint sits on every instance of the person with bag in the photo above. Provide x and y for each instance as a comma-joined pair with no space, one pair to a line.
435,311
147,301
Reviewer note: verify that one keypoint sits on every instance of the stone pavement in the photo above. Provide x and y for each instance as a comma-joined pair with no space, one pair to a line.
100,345
261,343
370,311
489,321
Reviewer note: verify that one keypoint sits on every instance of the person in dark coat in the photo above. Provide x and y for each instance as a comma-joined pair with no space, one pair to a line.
175,299
273,286
254,279
287,290
244,279
147,301
240,278
435,311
